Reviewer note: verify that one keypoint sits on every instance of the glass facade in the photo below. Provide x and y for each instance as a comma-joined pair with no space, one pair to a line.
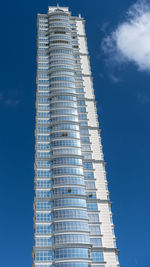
67,204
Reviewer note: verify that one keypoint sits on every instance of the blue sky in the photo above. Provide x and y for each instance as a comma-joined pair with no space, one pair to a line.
121,82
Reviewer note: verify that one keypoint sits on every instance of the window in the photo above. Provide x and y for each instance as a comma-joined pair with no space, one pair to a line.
44,255
44,174
72,264
97,256
65,143
63,111
82,117
66,202
62,72
72,238
43,107
87,155
88,165
67,160
86,147
43,155
43,129
43,193
84,131
44,229
64,134
82,110
44,241
69,180
57,85
71,151
92,206
63,98
89,175
43,100
44,205
90,185
63,104
43,163
71,226
64,90
85,140
91,195
43,138
83,123
94,229
61,78
61,51
93,217
72,253
81,103
44,217
96,242
44,183
43,87
69,67
41,146
75,213
68,190
67,170
64,126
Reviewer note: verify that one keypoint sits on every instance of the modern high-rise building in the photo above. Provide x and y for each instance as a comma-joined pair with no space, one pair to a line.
72,211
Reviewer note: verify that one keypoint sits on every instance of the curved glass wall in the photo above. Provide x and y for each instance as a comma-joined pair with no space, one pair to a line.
69,191
71,238
69,180
70,253
62,134
70,214
73,264
72,226
68,202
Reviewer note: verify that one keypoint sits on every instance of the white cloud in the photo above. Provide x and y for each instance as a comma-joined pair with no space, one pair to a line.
143,99
130,41
114,78
9,101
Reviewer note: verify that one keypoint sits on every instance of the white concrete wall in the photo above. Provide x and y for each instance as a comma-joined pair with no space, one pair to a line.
96,145
88,87
80,27
100,182
82,44
85,65
110,258
108,237
106,225
91,114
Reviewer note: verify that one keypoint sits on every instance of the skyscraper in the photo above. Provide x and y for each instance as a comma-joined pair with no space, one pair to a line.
72,211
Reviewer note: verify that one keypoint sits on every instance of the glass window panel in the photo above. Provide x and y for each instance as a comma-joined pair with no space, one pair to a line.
74,213
95,229
71,253
93,217
97,256
71,226
66,202
44,255
71,238
67,170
